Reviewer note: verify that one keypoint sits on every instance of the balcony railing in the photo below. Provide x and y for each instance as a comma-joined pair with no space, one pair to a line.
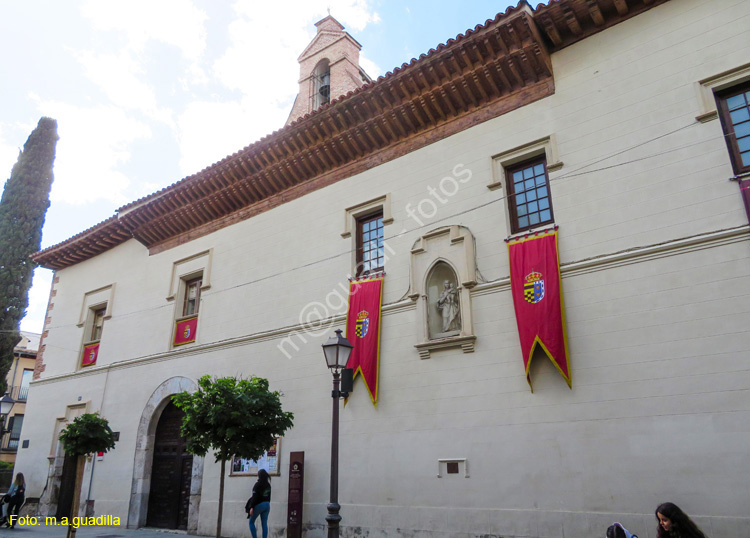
19,393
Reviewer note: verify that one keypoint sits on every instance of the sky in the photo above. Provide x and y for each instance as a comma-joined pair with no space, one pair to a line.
147,92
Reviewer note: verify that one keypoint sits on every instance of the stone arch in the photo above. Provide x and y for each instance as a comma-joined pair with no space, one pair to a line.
144,447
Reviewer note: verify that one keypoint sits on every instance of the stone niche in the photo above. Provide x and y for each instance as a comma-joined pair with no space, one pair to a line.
443,271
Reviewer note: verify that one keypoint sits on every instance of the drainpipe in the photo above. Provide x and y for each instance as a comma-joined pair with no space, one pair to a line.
91,480
93,463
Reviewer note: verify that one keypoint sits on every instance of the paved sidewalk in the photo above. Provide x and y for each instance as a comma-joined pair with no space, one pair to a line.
56,531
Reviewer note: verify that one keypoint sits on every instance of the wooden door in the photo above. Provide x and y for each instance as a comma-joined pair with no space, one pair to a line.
67,487
171,471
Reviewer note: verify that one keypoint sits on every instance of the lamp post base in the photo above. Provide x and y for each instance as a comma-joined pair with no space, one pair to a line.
333,518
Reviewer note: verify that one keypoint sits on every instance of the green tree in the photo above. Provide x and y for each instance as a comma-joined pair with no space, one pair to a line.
22,210
232,417
87,434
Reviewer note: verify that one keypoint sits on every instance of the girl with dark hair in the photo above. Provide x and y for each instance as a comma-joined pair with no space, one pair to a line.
260,503
674,523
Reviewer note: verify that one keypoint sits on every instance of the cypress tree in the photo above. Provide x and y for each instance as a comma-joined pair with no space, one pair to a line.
22,210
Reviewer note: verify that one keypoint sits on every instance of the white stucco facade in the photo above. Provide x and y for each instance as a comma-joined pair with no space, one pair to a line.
654,249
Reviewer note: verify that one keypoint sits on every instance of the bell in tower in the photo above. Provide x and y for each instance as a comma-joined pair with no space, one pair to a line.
329,68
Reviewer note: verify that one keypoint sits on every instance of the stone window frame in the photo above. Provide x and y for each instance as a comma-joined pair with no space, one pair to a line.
512,196
729,126
94,301
191,265
352,216
72,411
505,160
96,298
707,88
360,244
461,462
184,271
542,146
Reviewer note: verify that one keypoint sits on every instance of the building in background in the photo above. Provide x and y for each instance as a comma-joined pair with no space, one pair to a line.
18,380
617,123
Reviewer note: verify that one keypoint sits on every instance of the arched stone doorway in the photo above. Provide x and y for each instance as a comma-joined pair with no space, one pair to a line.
145,451
171,470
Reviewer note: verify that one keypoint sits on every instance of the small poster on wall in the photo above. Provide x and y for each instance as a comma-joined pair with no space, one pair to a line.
268,461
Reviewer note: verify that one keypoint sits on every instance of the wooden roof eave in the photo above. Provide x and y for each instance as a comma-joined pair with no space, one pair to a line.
487,65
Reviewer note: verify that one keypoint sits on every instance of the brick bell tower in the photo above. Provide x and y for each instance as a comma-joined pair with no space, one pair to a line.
329,68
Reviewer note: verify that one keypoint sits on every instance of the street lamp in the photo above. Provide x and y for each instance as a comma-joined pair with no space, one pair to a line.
337,350
6,404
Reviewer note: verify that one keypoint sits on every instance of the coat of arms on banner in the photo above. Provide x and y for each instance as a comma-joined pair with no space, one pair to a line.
363,324
186,332
533,288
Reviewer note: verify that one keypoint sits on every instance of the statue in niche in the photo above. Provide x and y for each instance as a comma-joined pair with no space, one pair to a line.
449,307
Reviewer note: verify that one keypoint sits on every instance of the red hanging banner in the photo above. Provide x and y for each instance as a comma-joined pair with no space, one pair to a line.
90,354
363,331
538,300
745,192
184,332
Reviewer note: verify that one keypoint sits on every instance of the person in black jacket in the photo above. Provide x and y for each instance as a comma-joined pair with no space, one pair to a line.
260,503
15,497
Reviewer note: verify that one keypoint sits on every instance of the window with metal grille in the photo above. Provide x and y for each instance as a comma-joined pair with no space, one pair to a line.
370,251
734,111
529,199
23,390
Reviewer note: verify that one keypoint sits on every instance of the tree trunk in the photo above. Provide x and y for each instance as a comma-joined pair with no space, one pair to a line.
221,500
80,464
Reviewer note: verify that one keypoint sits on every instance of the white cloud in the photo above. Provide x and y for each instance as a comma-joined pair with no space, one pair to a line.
38,297
93,143
8,157
262,59
209,131
260,64
175,22
118,75
370,67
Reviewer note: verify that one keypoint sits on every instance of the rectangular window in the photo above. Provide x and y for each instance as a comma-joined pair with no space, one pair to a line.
14,425
192,296
23,391
734,111
529,198
98,324
370,251
92,334
186,317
